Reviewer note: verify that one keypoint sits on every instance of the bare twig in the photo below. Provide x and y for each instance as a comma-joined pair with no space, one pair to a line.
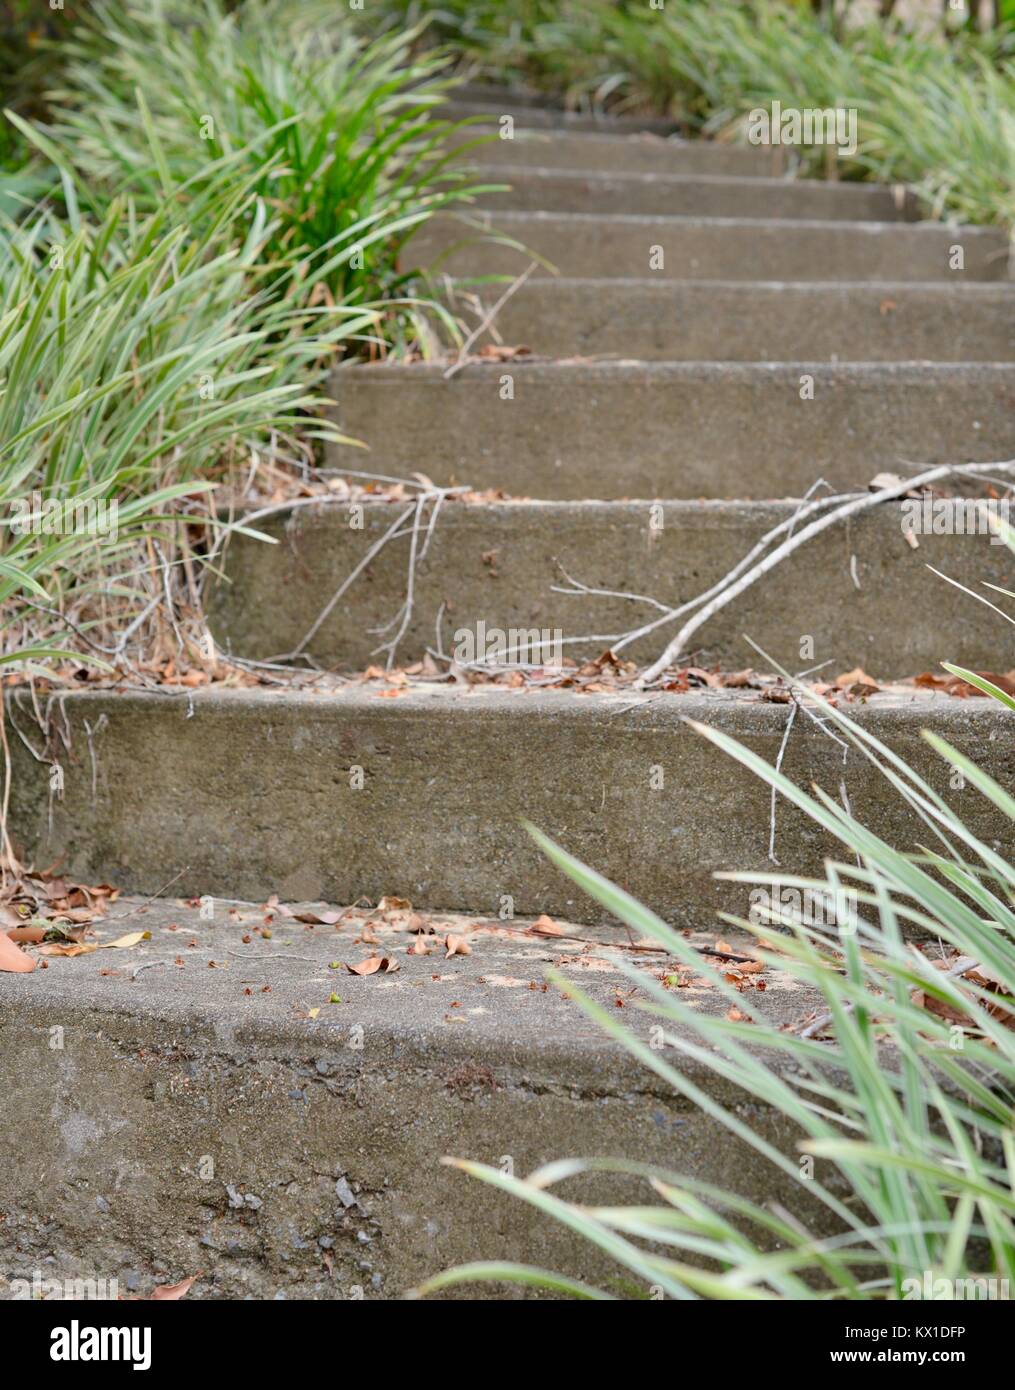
728,591
961,967
481,328
405,614
346,583
778,769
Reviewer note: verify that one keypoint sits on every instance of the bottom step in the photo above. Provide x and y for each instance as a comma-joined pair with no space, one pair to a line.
232,1121
419,792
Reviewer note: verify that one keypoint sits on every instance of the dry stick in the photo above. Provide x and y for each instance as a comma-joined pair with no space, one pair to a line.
410,588
778,768
477,332
622,640
961,967
619,640
731,591
7,858
439,625
578,588
89,734
821,723
349,579
325,501
62,617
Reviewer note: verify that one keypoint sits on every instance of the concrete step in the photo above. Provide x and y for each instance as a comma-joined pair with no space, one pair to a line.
689,195
721,321
493,111
862,592
494,95
706,248
327,796
643,153
671,429
233,1121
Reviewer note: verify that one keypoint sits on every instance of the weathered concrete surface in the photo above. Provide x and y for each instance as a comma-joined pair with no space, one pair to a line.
198,1118
544,118
495,95
644,153
676,195
718,321
671,429
498,563
248,793
620,246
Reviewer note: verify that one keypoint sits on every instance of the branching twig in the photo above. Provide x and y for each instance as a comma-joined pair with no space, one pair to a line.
728,591
481,328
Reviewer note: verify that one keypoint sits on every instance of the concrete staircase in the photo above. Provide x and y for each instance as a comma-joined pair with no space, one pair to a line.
658,430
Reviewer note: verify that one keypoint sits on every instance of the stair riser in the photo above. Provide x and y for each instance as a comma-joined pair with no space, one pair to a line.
670,430
263,798
759,323
539,191
283,1112
498,564
535,118
726,249
632,154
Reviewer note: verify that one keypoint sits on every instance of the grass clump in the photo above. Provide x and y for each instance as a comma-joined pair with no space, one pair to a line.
902,1091
228,193
935,109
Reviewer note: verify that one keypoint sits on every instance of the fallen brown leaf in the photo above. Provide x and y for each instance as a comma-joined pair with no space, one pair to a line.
546,926
392,904
373,965
856,677
13,958
123,942
166,1292
33,935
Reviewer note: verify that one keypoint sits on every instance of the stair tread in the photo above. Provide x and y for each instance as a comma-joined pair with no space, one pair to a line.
409,1008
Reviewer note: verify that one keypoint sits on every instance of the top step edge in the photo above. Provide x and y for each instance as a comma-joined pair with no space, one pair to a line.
503,172
909,704
937,289
619,138
871,226
648,368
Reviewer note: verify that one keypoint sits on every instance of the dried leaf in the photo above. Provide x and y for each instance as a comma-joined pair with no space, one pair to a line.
123,942
456,946
68,948
13,958
33,935
373,965
546,926
166,1292
856,677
